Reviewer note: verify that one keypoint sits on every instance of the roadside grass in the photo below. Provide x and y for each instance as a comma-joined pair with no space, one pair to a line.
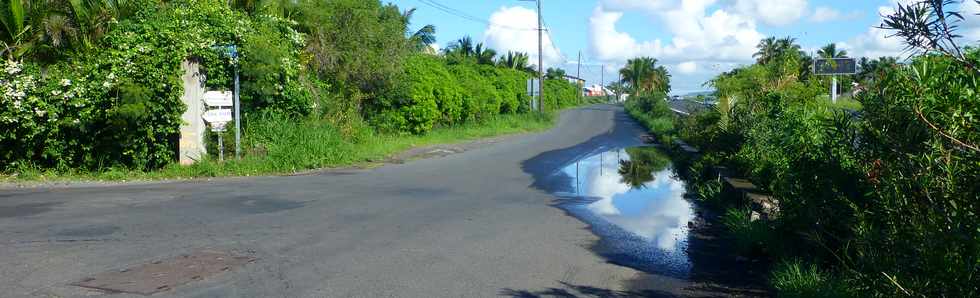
845,102
793,279
749,237
274,146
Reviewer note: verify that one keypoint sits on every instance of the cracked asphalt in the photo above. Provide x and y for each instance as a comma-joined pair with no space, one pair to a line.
468,224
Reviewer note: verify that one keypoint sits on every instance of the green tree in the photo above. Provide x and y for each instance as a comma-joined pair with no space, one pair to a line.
555,74
515,60
484,55
422,38
831,51
644,76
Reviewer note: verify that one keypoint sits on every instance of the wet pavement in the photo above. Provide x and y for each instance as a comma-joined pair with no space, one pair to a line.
631,199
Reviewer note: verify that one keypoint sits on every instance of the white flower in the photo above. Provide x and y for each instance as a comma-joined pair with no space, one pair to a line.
40,113
106,84
19,94
65,82
17,104
55,92
111,76
75,121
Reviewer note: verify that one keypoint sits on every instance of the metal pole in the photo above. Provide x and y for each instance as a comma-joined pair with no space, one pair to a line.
221,147
238,121
578,76
540,59
833,90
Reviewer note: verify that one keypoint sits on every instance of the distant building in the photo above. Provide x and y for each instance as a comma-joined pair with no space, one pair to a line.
596,90
575,80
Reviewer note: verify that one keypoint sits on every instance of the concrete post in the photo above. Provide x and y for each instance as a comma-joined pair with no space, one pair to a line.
192,128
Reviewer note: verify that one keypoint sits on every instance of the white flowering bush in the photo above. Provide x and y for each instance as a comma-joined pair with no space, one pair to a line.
119,105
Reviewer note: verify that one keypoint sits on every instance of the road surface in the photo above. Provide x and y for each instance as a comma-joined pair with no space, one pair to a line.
471,224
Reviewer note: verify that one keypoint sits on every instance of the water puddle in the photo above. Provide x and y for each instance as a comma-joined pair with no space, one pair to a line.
631,200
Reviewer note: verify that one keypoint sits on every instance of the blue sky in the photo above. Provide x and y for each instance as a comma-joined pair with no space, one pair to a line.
695,39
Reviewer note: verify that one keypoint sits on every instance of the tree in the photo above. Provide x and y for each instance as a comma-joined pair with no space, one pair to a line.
463,47
929,27
831,51
515,60
420,40
644,76
47,28
767,49
484,55
555,73
869,69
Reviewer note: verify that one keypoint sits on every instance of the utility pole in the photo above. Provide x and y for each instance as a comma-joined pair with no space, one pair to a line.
540,58
578,75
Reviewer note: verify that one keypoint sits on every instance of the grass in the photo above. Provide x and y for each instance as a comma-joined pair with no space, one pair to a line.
845,102
750,237
281,146
793,279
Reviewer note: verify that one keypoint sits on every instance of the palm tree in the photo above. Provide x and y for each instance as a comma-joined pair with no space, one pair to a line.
767,49
483,54
831,51
421,39
463,47
46,27
770,48
643,75
515,60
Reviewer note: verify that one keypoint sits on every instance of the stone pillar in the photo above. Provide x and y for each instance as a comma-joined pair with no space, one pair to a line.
192,128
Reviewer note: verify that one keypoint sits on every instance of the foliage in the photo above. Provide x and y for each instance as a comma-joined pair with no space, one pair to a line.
653,112
794,279
643,162
889,195
645,77
120,106
751,237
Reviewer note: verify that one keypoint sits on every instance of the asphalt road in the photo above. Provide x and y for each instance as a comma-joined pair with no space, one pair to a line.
471,224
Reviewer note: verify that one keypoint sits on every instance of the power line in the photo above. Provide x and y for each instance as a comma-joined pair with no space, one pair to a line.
466,16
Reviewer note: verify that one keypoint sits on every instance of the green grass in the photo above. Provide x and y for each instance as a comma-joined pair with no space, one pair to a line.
750,237
793,279
281,146
843,102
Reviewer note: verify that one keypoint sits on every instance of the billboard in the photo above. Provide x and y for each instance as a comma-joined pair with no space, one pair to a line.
834,66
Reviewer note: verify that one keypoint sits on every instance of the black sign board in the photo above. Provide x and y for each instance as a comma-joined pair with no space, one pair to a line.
834,66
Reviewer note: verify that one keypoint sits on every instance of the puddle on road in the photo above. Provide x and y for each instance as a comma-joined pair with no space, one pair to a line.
631,200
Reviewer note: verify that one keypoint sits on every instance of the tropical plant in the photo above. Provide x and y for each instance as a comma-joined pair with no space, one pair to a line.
644,76
831,51
421,39
483,54
515,60
770,48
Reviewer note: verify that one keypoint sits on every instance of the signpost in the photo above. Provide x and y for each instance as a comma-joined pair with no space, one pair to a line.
834,67
534,89
220,115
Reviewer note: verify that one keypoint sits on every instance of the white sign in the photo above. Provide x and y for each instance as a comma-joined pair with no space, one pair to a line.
218,98
218,115
218,126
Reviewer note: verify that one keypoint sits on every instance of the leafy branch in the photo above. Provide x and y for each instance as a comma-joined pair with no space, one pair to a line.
928,26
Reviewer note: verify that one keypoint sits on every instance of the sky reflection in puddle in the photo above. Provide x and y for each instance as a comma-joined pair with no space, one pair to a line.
632,201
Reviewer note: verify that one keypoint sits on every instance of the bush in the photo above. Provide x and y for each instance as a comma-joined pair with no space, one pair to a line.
653,112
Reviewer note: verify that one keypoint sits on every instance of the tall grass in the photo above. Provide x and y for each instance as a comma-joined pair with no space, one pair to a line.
279,145
793,279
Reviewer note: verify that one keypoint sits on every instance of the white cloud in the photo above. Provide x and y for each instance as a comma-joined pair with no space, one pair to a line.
772,12
971,24
826,14
697,35
687,67
512,30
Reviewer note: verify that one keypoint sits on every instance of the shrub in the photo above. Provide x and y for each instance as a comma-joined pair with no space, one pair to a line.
750,237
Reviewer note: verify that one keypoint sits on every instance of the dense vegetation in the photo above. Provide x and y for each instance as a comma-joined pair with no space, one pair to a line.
880,201
92,85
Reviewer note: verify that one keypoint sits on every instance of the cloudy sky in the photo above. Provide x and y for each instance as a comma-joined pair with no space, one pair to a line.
695,39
